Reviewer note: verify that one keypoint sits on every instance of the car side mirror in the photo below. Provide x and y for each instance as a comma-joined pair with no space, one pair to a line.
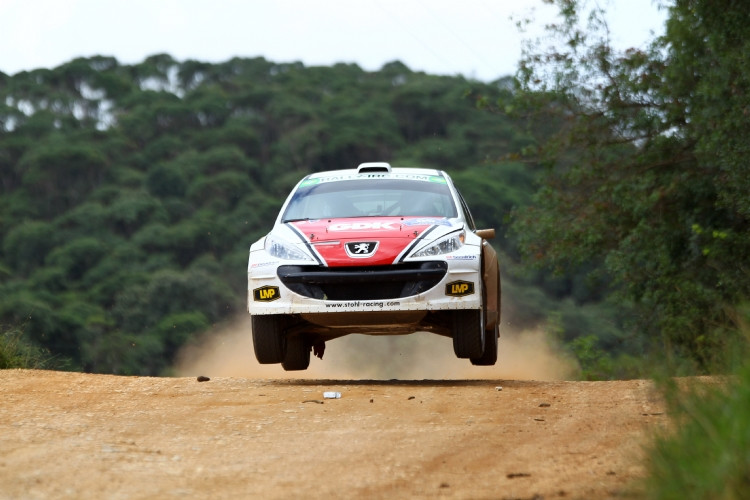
485,234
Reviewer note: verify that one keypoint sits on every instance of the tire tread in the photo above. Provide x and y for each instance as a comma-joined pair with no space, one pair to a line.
468,333
269,342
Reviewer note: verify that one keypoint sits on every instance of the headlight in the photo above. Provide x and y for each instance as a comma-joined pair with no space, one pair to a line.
448,244
283,250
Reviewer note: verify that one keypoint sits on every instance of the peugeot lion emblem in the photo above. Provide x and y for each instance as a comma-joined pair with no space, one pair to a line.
361,249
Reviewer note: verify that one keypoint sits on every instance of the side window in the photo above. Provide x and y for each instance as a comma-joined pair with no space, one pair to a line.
467,213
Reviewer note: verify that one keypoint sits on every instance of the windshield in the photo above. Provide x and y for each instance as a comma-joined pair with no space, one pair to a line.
367,198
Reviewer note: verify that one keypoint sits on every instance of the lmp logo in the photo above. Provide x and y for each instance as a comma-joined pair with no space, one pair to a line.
459,288
266,293
361,249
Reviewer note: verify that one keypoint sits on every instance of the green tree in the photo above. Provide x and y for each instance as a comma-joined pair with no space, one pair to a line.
26,246
646,172
130,194
62,173
77,257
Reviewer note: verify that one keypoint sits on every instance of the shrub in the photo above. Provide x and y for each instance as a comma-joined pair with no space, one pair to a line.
709,455
16,352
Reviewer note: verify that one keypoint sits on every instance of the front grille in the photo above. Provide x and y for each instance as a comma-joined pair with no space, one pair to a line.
363,283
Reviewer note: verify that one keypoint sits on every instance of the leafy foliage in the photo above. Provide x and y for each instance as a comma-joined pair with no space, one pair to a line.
17,352
646,172
129,194
706,457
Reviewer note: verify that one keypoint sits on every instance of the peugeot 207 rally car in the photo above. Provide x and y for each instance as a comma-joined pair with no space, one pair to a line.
374,250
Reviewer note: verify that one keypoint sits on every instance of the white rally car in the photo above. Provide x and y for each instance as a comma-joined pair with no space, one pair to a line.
374,250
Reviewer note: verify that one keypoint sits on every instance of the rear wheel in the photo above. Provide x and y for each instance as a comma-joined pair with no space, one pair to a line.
269,341
297,355
468,333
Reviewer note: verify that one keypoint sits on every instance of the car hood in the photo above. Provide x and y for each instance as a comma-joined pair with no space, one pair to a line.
367,241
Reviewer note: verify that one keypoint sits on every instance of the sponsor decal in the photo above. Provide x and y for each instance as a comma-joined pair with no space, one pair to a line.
392,175
361,226
460,257
428,221
263,264
361,249
329,178
266,293
380,304
459,288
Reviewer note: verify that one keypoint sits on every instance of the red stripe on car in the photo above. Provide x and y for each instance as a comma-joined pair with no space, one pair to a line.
392,235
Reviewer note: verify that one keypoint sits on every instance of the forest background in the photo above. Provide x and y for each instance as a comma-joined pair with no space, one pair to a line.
131,193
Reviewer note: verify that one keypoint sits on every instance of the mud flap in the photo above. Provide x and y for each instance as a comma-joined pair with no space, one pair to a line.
491,278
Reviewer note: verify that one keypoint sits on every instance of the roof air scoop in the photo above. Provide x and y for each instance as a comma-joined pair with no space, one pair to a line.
365,168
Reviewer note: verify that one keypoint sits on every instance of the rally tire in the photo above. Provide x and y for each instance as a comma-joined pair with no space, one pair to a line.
269,341
489,356
468,333
491,335
297,355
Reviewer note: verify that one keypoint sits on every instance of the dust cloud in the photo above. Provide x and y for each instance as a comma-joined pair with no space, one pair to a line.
528,355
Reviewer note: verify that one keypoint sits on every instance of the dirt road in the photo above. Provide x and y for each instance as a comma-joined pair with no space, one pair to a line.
71,435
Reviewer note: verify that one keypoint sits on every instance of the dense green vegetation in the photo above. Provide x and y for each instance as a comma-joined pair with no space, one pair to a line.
708,458
15,352
129,195
646,179
646,176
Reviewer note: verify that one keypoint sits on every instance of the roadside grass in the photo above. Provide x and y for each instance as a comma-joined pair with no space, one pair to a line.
707,454
17,352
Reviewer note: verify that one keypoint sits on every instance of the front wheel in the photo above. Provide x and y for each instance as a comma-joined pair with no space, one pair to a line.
491,335
489,356
297,355
269,341
468,333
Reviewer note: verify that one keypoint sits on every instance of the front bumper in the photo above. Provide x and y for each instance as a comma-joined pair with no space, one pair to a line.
362,283
454,283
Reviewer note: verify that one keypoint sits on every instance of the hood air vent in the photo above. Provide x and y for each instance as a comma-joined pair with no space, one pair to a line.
366,168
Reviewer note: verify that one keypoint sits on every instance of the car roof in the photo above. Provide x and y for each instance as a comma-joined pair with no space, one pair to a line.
394,173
